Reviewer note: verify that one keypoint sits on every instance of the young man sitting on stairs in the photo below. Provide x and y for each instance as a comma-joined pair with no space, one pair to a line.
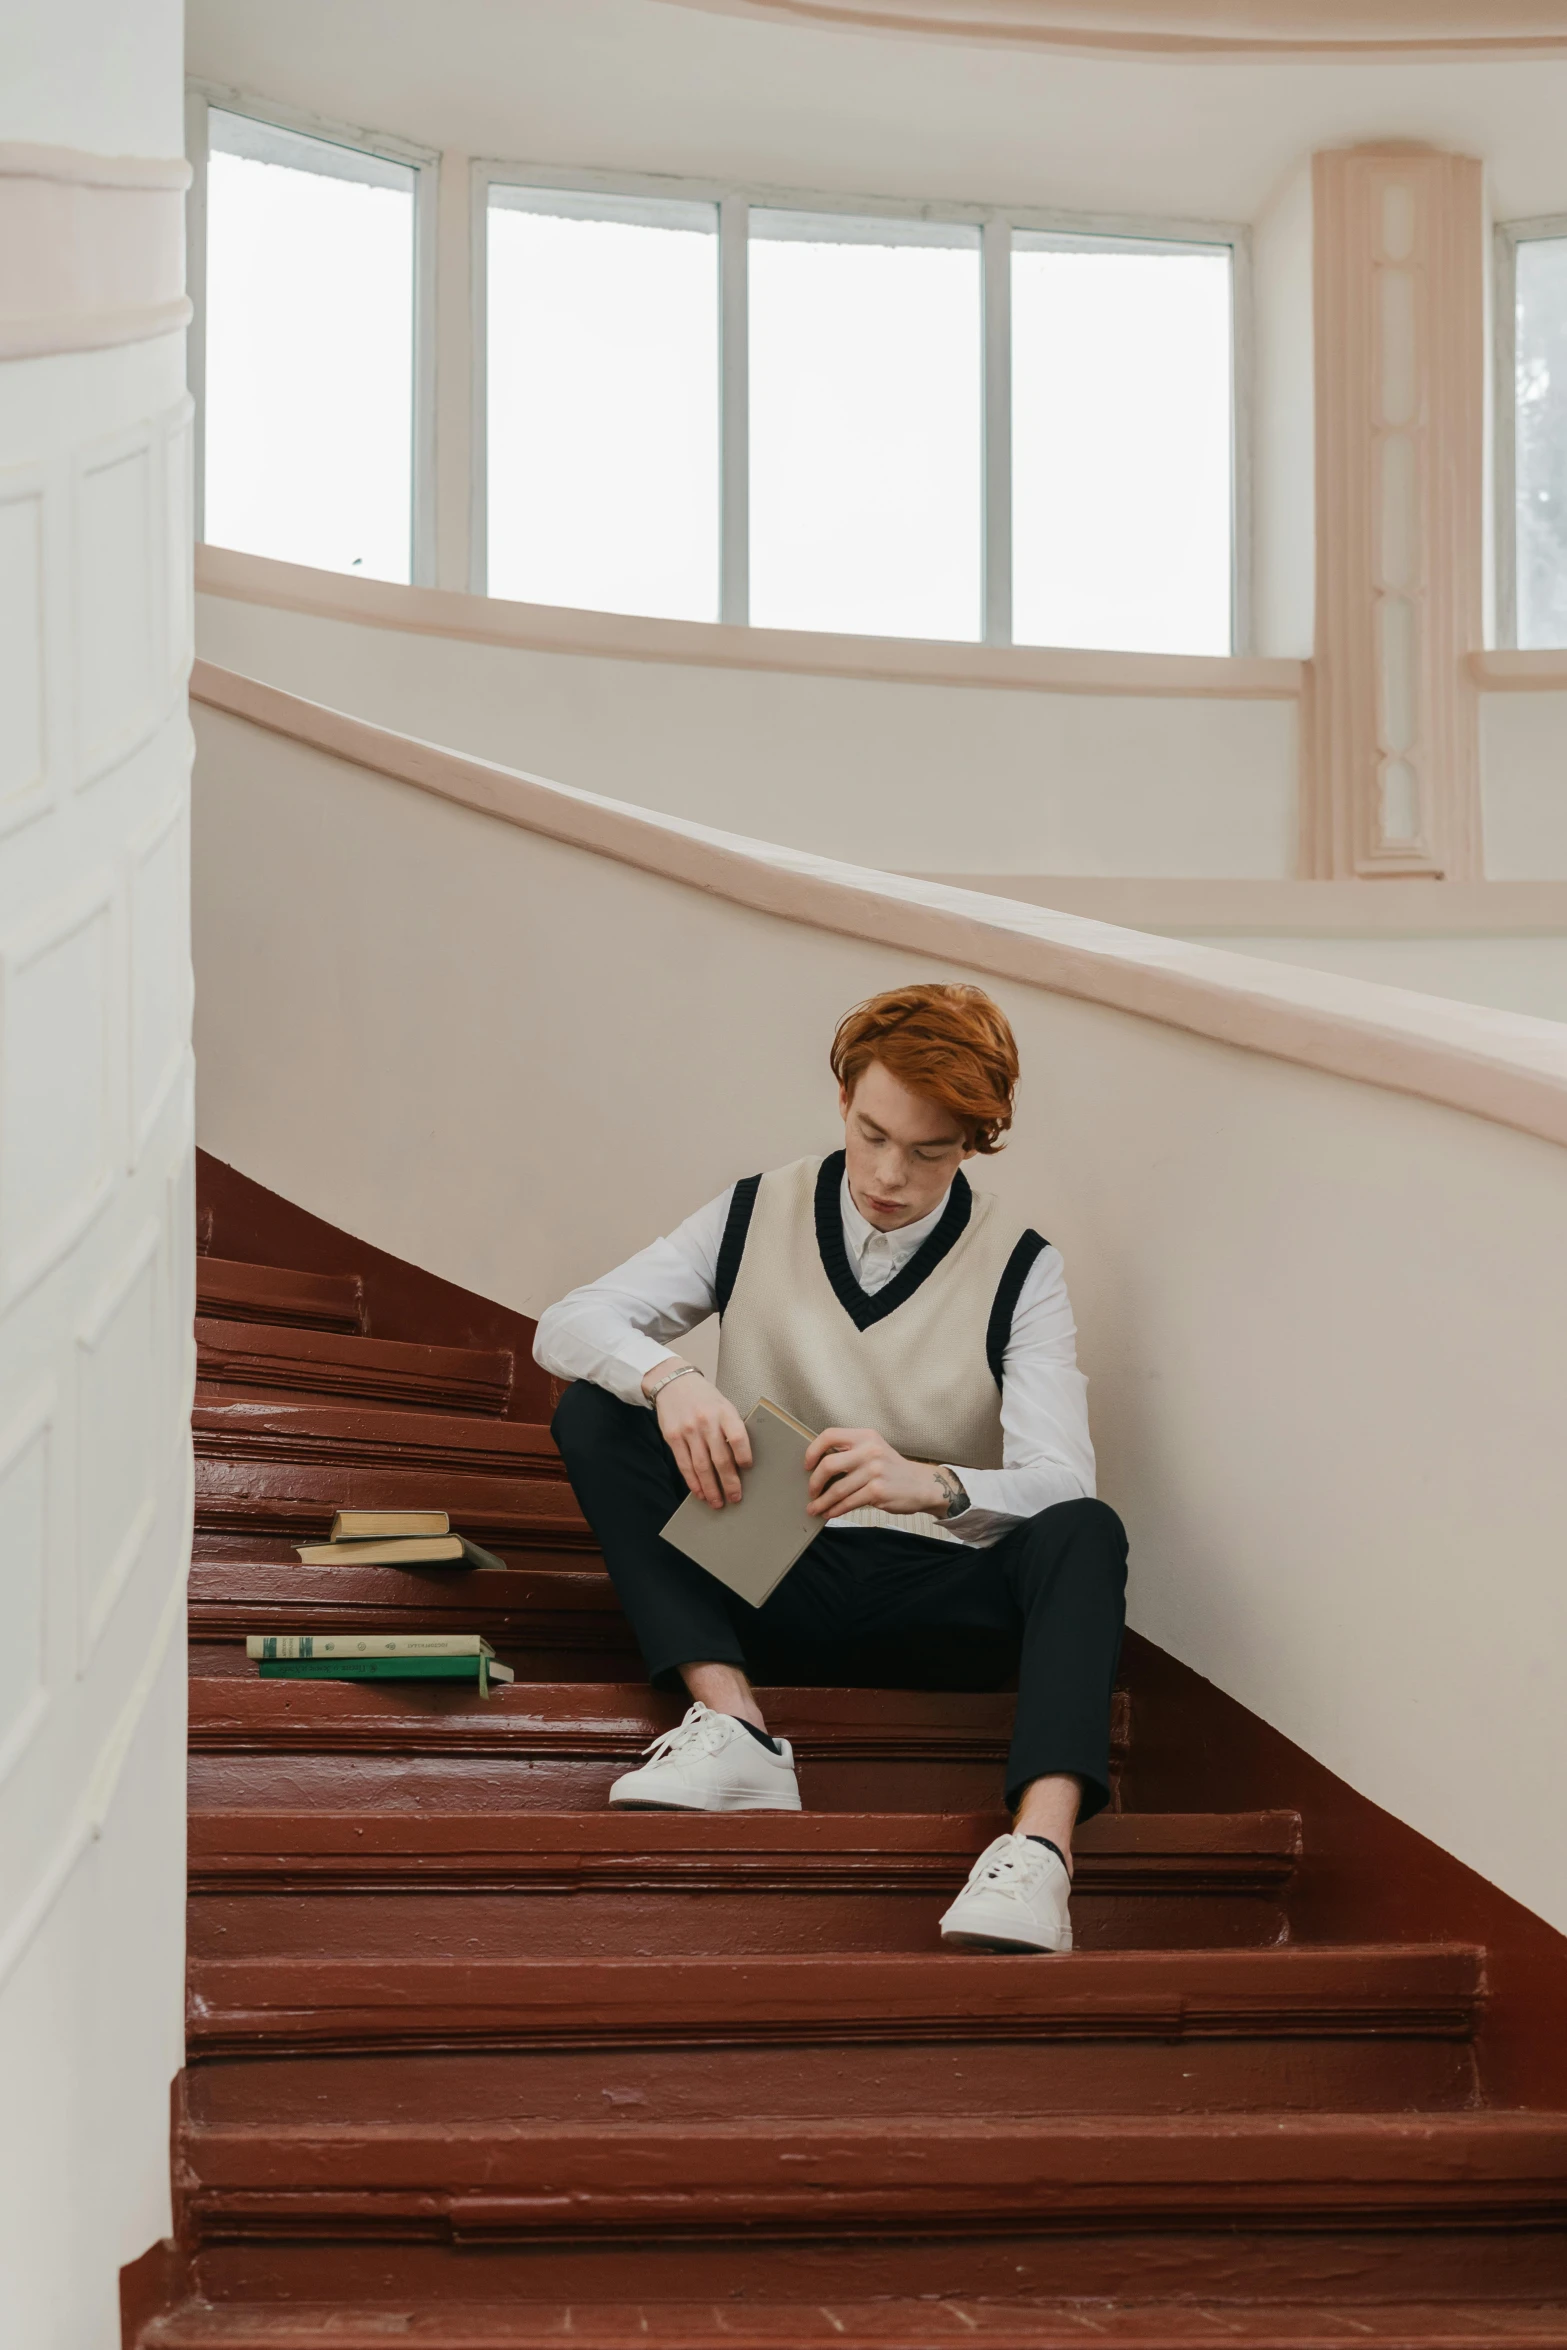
929,1337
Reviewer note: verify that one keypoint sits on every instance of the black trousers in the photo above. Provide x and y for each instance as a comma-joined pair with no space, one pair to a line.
868,1608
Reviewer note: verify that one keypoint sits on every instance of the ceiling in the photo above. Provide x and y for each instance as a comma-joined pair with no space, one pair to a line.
651,86
1356,28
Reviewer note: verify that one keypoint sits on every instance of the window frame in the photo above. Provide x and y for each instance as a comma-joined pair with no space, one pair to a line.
995,223
425,163
1507,236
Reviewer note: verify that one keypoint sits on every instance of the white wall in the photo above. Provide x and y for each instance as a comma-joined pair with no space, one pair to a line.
921,777
1325,1323
1522,973
1523,782
95,1217
640,85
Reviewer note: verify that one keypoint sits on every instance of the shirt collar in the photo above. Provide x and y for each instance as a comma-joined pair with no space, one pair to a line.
901,1244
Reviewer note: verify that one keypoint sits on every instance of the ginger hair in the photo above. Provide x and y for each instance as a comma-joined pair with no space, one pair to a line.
947,1042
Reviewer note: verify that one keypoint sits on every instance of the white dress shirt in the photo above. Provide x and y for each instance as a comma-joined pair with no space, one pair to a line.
613,1330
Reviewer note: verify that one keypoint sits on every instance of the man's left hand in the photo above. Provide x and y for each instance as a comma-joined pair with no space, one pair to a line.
855,1469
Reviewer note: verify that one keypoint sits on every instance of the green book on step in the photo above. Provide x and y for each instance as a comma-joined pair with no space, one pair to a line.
478,1671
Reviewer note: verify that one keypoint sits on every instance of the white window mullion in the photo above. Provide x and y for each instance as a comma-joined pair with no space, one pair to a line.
734,506
997,248
422,540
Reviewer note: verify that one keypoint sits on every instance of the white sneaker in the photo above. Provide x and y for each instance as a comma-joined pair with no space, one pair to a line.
711,1762
1016,1898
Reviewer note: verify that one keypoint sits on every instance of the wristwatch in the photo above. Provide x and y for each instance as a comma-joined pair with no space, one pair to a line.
952,1486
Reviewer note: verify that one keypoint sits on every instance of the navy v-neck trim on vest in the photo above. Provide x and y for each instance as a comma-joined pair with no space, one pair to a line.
860,1305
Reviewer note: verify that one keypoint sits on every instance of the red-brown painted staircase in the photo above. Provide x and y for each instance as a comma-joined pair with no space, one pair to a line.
475,2062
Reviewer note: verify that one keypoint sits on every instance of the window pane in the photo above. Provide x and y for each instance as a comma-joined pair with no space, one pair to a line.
1121,431
310,310
1542,441
866,475
603,403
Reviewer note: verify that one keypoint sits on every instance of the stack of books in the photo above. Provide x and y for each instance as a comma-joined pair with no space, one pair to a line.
397,1656
395,1538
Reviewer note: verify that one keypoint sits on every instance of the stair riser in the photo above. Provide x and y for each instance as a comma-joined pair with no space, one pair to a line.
1411,2263
805,2080
621,1923
562,1782
923,2325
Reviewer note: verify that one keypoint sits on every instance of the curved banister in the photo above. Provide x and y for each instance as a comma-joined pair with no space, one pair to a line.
1503,1066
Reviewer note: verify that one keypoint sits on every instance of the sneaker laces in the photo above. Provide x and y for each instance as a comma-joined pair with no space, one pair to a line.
1012,1867
700,1731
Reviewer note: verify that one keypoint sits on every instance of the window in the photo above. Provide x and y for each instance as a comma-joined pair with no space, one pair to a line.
890,423
309,349
866,425
1121,445
1539,506
602,399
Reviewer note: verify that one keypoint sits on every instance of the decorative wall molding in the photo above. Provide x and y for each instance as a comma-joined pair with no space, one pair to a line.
61,980
1498,1065
30,1432
1393,785
1206,28
92,249
91,1809
616,636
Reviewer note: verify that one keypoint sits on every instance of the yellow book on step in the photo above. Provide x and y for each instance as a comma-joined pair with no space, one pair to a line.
387,1525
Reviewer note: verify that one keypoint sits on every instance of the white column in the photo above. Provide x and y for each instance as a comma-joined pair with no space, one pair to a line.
96,1247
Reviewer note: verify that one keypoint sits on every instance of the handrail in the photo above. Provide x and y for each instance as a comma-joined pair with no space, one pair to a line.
1504,1066
619,636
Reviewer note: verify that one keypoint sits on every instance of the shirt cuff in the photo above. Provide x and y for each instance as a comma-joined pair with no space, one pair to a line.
636,1356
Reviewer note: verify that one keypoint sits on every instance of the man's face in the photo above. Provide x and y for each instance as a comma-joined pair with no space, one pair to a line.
902,1149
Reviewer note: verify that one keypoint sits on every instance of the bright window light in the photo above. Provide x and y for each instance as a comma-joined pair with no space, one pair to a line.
1121,445
602,326
1541,445
309,333
866,354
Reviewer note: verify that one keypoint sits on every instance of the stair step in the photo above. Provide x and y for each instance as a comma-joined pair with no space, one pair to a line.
557,1745
1482,2195
281,1470
1425,1990
548,1623
878,2325
330,1363
362,1884
272,1293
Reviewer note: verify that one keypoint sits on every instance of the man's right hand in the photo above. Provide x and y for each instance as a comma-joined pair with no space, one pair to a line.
704,1432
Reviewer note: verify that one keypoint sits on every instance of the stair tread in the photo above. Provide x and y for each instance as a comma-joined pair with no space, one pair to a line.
914,2174
243,1291
889,2325
595,1717
252,1354
306,1433
1429,1989
850,1836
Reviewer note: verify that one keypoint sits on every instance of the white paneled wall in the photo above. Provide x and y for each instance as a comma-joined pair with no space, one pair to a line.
96,1282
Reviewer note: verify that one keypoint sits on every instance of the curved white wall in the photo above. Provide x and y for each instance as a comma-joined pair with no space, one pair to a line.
96,1212
922,777
1325,1321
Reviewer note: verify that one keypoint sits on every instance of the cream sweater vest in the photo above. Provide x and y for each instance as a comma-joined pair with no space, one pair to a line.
920,1360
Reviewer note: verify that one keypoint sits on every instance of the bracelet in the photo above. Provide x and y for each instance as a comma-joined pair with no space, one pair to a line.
653,1393
954,1489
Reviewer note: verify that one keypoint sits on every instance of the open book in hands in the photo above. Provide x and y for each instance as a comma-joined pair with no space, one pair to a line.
751,1544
